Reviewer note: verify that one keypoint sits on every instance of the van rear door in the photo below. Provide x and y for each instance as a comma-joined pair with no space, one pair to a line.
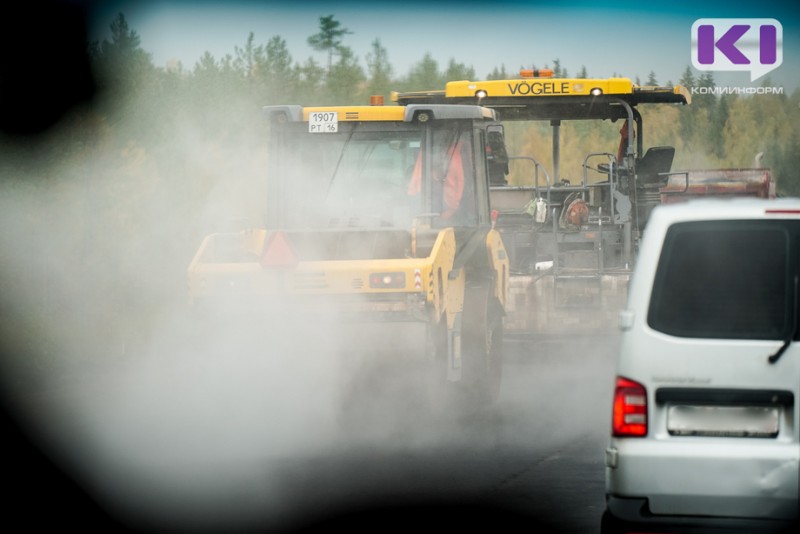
721,435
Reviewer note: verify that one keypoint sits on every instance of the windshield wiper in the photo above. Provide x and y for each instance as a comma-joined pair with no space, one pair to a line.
774,358
339,161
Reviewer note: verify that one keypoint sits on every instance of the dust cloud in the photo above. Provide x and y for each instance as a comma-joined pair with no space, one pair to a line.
155,412
160,414
166,418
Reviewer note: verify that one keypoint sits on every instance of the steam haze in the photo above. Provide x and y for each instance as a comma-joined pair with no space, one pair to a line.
167,419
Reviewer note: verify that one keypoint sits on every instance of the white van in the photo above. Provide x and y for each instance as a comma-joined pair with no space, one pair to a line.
705,426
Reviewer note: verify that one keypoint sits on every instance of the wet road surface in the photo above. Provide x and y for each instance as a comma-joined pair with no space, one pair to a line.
173,443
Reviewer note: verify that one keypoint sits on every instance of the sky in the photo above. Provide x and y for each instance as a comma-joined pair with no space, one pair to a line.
623,37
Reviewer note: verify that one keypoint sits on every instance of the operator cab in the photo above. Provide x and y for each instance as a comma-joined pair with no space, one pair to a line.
375,168
588,215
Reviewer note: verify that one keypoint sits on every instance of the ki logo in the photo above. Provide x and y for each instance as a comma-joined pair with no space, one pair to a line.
754,45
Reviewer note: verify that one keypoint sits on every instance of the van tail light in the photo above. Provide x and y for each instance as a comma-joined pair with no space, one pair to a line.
630,409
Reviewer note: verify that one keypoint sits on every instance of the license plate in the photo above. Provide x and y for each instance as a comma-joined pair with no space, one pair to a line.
323,122
731,421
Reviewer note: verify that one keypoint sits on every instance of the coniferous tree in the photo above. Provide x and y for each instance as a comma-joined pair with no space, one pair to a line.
329,38
704,109
558,71
279,78
245,59
458,71
121,63
379,70
718,119
687,79
310,78
785,161
206,74
344,80
687,117
498,74
425,75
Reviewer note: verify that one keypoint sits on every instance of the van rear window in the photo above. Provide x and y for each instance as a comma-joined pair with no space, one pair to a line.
726,279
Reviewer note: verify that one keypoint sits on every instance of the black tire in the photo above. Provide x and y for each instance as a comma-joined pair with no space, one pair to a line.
439,394
609,525
612,525
481,346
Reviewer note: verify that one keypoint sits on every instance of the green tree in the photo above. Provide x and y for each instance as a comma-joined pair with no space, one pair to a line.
206,71
274,68
121,63
425,75
785,162
498,74
558,70
218,91
707,100
687,78
741,133
245,59
458,71
704,109
717,121
345,79
310,77
651,78
687,116
329,38
379,70
134,96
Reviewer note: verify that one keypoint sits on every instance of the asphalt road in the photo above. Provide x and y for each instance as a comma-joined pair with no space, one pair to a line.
167,442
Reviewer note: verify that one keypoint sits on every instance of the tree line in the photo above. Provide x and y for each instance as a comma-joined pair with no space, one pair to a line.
125,188
725,130
196,135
